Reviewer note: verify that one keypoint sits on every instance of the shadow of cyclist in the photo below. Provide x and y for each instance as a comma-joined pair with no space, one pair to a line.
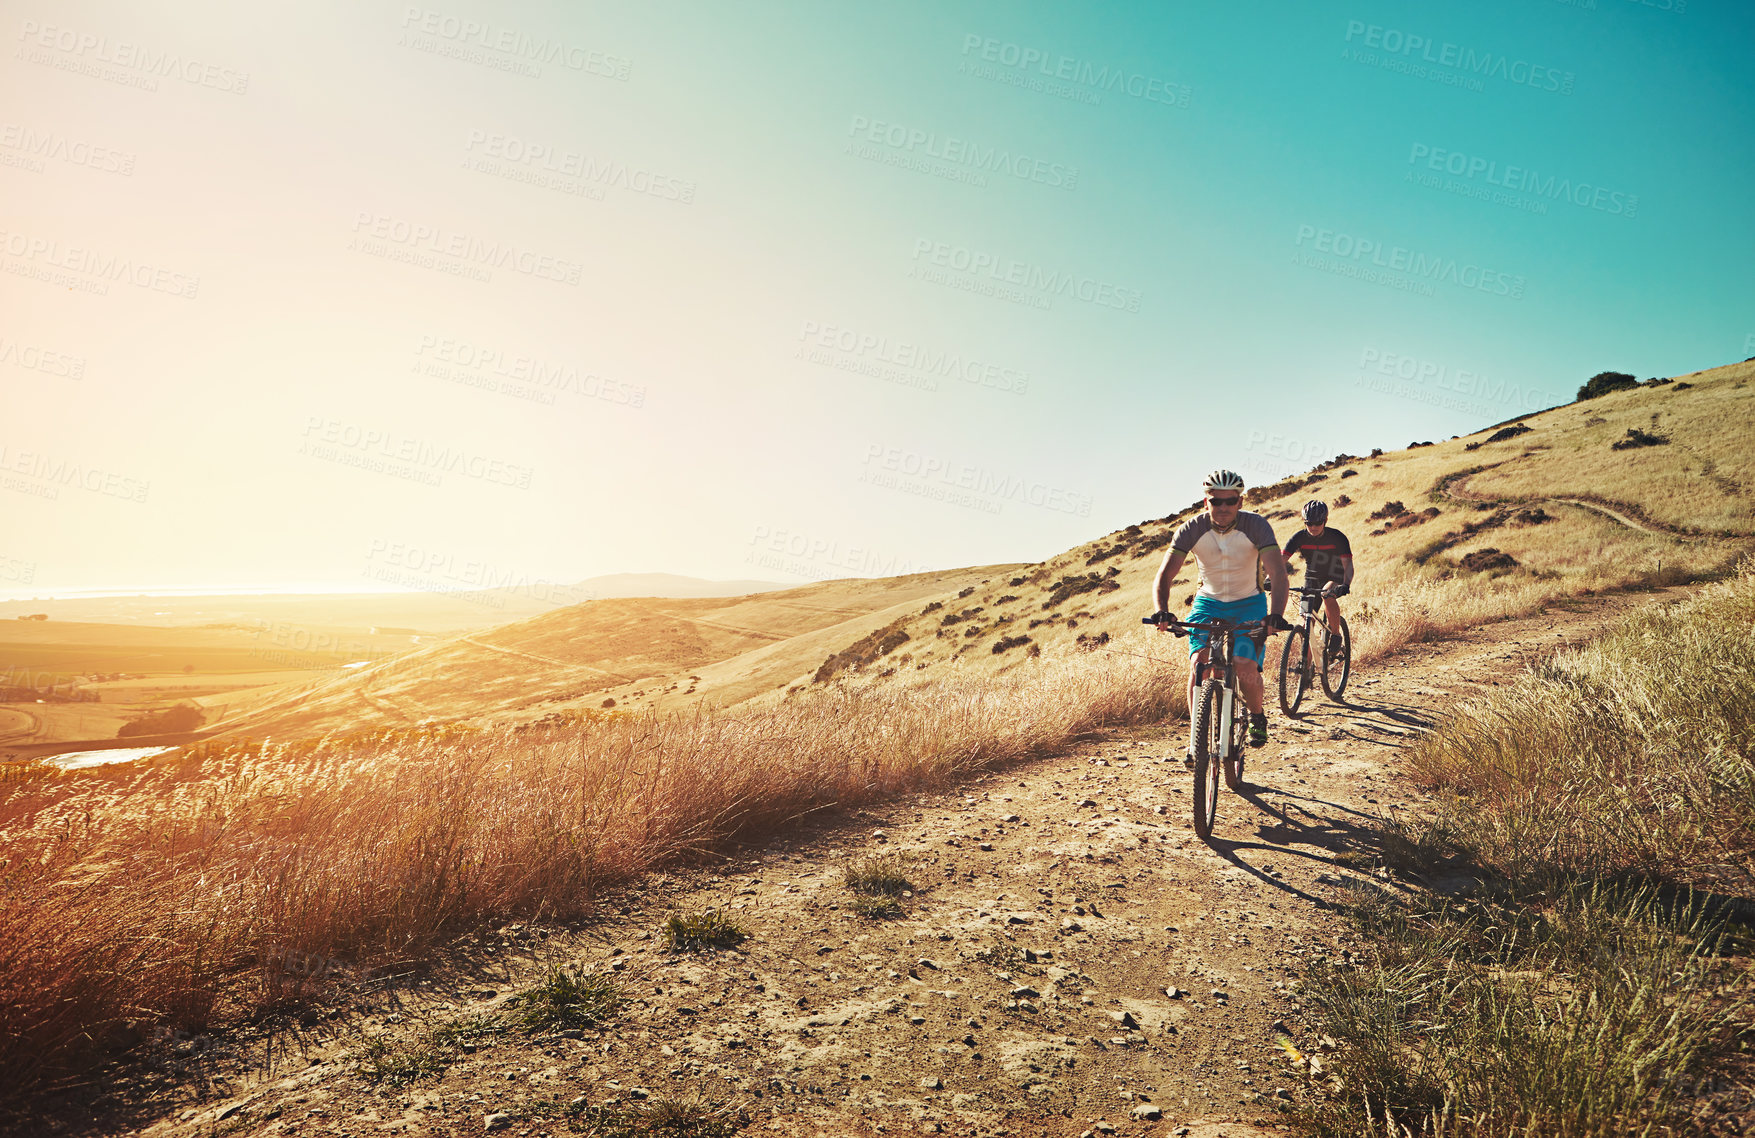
1320,832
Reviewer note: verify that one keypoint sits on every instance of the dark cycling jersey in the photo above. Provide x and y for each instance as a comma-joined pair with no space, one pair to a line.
1322,555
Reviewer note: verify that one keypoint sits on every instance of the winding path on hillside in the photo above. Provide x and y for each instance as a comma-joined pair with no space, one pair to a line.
1453,488
1616,515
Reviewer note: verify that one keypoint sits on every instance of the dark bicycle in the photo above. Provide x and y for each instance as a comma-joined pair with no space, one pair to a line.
1219,721
1298,669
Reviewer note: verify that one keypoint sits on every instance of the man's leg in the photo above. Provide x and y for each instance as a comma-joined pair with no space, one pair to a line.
1249,681
1332,609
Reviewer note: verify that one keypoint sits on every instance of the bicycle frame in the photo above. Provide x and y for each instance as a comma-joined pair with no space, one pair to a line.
1314,612
1317,657
1221,666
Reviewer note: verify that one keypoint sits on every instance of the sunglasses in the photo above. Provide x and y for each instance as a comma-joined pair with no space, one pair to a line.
1228,501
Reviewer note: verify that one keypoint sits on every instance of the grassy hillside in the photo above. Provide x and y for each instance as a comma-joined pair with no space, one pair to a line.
1444,535
630,653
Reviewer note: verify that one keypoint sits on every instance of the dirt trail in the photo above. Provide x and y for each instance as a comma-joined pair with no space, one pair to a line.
1024,992
1617,515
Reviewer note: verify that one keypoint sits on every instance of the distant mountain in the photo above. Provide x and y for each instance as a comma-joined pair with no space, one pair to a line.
448,607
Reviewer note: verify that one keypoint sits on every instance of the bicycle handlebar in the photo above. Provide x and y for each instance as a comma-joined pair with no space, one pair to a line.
1213,624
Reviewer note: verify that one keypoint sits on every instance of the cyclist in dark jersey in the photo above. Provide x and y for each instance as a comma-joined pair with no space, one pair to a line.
1328,558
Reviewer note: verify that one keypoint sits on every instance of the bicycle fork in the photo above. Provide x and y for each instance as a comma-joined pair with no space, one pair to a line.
1227,705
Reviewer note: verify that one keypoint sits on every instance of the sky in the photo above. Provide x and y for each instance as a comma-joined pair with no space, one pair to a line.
370,296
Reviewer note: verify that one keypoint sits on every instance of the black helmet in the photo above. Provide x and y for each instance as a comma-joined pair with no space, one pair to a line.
1315,511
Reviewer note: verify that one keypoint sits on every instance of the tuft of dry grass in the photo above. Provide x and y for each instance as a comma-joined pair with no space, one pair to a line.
157,892
878,874
709,928
568,998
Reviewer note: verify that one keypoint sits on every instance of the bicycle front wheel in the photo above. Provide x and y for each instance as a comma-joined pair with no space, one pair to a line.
1211,736
1337,661
1294,669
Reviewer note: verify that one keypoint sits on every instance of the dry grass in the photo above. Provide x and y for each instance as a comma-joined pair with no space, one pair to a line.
1599,984
1632,755
154,892
1600,1014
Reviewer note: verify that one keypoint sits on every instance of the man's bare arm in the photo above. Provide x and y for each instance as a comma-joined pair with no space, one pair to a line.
1276,568
1347,563
1167,570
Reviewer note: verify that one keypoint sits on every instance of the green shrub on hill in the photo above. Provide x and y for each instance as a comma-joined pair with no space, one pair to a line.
1604,382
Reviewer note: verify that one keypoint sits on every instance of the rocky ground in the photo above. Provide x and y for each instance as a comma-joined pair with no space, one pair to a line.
1071,959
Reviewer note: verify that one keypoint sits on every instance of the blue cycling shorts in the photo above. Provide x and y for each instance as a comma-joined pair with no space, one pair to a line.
1237,612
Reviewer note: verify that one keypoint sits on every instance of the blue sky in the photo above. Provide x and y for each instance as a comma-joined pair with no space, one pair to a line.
798,291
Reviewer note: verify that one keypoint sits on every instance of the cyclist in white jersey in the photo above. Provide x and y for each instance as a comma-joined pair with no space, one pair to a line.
1230,544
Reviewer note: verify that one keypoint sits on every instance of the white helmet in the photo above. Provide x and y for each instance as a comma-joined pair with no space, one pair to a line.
1222,480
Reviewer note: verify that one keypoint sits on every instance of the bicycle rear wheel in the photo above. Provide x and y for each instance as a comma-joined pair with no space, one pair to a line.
1210,738
1337,662
1294,669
